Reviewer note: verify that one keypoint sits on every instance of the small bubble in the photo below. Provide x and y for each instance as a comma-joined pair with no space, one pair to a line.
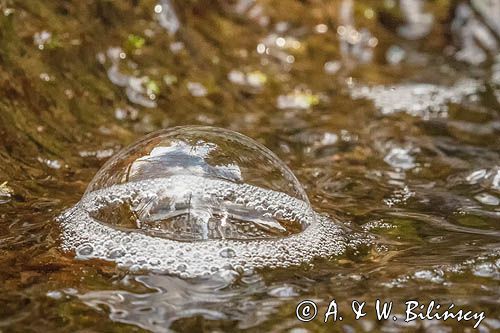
154,261
84,250
158,9
261,48
280,42
227,253
321,28
116,253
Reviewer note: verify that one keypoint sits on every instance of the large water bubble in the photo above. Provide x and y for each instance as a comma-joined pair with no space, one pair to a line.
195,200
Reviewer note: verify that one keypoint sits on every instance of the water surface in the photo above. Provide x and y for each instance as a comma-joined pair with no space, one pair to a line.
386,111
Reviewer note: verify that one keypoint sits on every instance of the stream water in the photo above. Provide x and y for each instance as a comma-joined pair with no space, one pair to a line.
387,112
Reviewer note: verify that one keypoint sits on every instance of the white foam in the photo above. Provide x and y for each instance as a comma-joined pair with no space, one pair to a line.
136,250
417,99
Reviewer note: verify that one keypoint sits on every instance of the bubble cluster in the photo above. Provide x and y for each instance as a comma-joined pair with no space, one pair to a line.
193,201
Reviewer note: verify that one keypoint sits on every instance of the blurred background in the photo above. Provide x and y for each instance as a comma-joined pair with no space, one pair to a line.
386,111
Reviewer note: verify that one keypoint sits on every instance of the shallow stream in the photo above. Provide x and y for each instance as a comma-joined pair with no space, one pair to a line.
387,112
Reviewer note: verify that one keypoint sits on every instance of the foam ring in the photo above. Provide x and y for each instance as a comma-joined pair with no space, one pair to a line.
135,250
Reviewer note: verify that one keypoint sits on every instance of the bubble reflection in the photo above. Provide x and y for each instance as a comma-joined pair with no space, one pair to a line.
171,299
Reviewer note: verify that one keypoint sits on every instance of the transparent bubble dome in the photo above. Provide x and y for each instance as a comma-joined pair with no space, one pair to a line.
195,200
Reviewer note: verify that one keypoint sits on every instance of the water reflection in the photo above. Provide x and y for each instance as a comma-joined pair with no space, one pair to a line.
475,38
418,23
218,298
387,111
356,44
167,17
139,90
422,100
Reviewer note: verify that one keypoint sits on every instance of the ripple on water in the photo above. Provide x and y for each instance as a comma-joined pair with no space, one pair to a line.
171,299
